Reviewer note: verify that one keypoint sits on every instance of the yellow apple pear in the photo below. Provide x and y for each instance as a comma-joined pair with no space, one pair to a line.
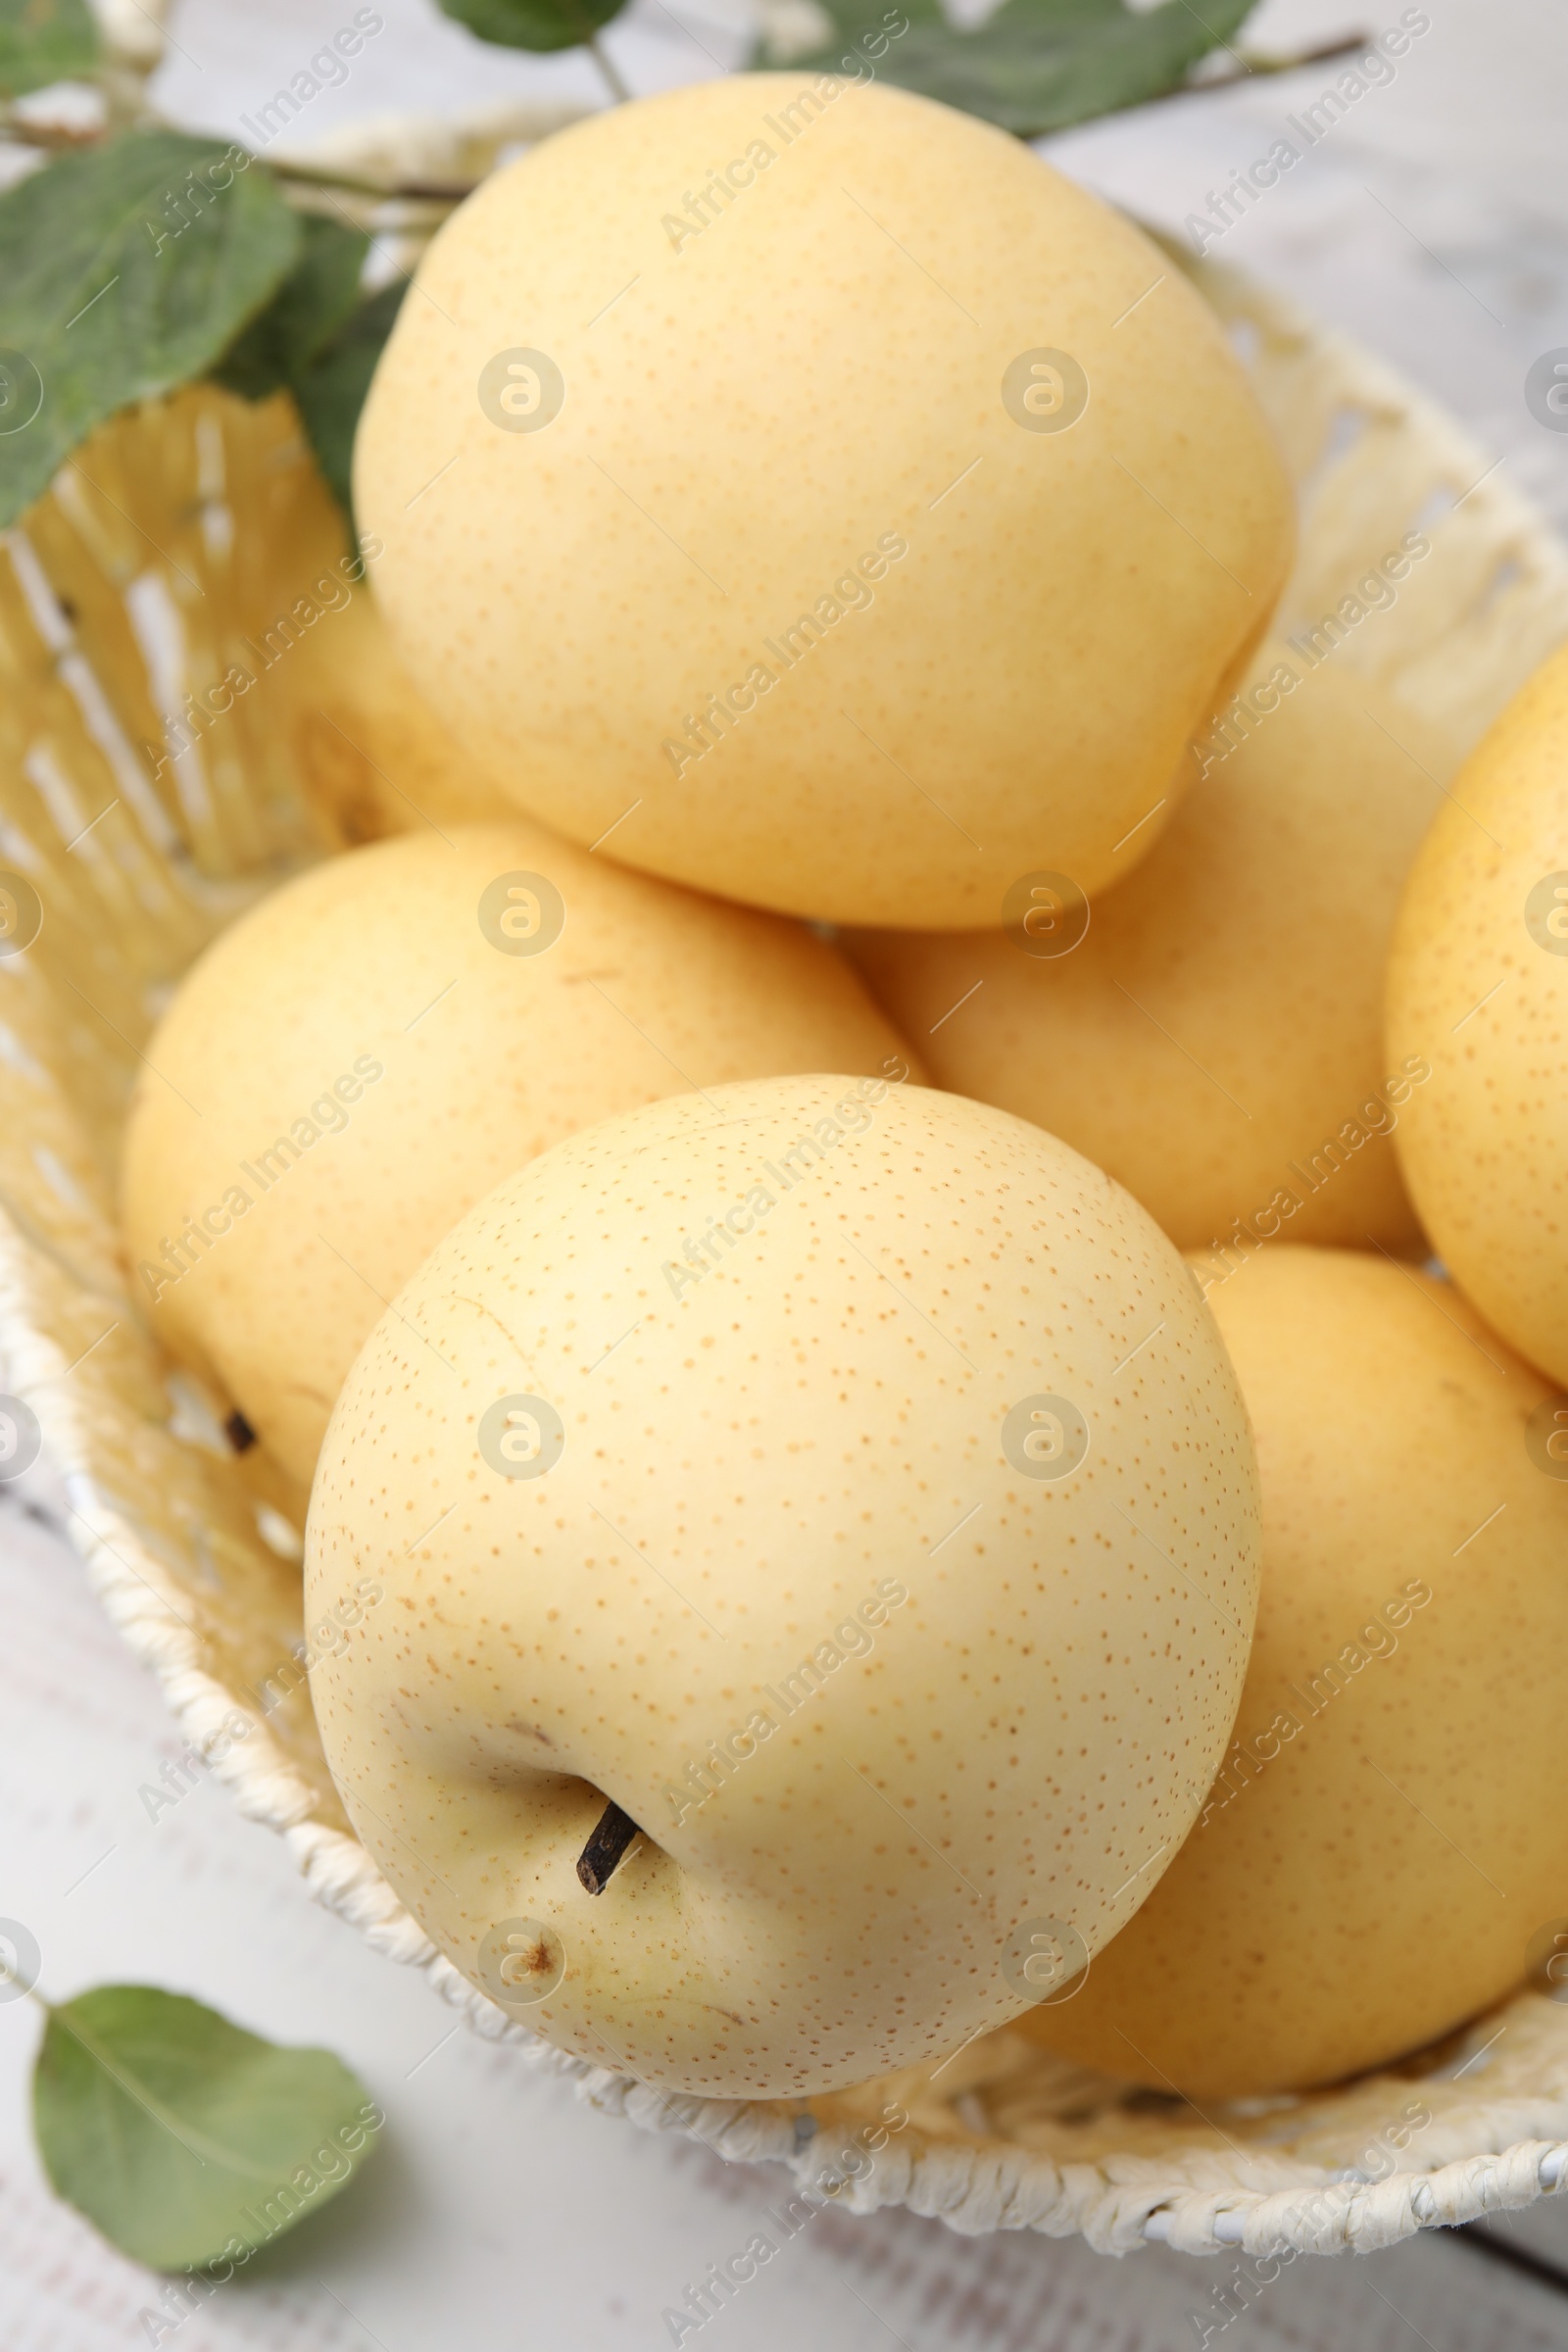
350,1066
1378,1848
814,1526
1210,1029
806,481
1478,985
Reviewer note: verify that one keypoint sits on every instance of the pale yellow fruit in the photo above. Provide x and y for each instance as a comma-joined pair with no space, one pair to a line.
768,1534
1478,984
1215,1039
350,1066
1377,1851
370,754
820,414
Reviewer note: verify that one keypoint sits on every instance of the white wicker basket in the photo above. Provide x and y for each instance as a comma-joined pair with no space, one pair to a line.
192,525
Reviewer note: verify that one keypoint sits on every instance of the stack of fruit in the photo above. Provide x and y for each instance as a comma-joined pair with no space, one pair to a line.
799,1569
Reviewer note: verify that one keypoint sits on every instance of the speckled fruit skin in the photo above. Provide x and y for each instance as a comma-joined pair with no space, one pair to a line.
1485,1146
818,1416
1222,1015
1364,1883
487,1059
751,410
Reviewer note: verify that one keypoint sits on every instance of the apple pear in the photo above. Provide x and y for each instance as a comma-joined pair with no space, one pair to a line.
814,1526
1377,1858
355,1062
1209,1030
371,757
807,480
1478,985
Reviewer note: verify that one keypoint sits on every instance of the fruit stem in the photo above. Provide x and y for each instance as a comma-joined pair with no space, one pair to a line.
613,1834
600,57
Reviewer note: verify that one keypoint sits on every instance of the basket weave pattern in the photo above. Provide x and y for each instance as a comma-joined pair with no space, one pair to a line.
163,559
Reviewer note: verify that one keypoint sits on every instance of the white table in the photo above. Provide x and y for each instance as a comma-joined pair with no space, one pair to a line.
500,2213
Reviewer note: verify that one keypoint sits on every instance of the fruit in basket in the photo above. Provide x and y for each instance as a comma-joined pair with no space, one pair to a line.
349,1067
1377,1847
372,756
812,484
1478,983
841,1484
1210,1030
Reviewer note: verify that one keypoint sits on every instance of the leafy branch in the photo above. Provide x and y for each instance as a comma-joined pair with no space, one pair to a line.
1038,66
1041,65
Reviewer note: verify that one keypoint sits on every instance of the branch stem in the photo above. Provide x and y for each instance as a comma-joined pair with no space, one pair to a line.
419,190
1252,67
16,134
601,58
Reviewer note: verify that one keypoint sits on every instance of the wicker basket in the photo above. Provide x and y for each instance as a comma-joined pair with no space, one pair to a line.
170,549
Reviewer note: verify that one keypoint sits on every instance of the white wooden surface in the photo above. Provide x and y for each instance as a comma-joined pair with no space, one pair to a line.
499,2213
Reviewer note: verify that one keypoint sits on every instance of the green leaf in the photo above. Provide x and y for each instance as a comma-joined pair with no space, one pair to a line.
124,270
534,24
43,41
330,390
308,307
1041,64
317,338
182,2138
